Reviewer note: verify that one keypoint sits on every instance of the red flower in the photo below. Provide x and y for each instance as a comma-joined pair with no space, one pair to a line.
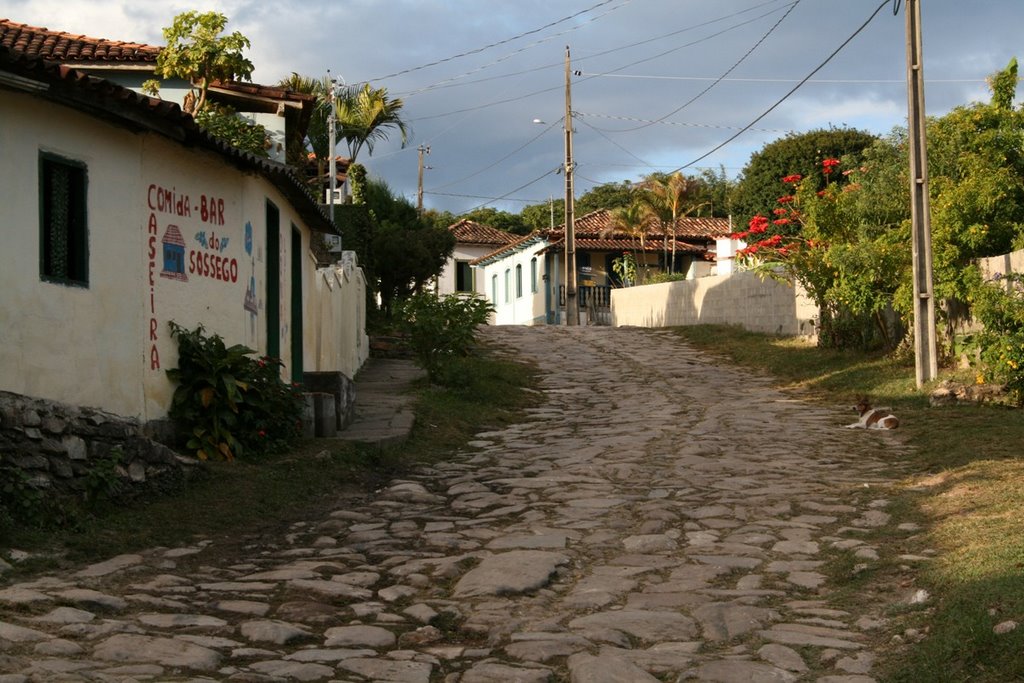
262,433
787,199
794,178
829,163
780,211
821,193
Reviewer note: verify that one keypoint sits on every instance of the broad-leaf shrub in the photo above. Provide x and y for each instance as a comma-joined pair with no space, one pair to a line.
228,403
999,306
440,327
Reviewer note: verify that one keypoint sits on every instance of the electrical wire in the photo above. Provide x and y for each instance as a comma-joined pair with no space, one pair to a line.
512,153
622,47
521,187
718,80
588,77
791,91
495,44
581,115
480,196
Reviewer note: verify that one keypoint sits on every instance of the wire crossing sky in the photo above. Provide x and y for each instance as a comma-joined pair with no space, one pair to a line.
662,84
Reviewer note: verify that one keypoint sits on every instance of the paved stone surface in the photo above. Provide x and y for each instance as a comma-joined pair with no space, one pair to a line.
658,516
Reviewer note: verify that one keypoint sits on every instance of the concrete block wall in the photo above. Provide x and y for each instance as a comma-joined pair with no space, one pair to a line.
740,299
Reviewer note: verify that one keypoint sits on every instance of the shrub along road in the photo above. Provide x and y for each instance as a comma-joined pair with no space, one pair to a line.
657,516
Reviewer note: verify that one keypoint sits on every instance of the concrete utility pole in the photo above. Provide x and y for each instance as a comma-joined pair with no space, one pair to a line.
331,133
926,363
419,187
572,311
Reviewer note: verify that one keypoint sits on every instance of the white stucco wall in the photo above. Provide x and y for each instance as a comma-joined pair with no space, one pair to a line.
527,309
740,299
108,345
463,252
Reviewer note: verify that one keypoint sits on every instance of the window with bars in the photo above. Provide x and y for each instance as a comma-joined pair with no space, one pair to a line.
64,248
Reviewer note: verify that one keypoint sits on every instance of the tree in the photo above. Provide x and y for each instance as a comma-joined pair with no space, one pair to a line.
543,216
634,220
367,115
665,195
608,196
198,53
317,132
798,153
403,252
502,220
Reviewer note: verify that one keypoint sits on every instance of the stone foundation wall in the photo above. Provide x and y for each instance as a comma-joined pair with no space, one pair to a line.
57,445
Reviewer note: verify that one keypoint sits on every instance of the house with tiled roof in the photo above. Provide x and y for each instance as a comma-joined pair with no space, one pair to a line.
525,280
283,113
121,215
472,240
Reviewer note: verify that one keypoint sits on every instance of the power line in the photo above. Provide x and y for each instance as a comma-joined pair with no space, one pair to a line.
675,123
495,44
625,66
513,152
791,91
728,71
480,196
521,187
450,82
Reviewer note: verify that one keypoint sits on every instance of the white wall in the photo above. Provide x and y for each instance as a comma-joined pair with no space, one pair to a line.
341,343
741,299
108,344
463,252
510,309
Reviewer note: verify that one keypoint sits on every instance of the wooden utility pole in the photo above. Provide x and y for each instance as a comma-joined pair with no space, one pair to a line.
419,187
926,363
572,311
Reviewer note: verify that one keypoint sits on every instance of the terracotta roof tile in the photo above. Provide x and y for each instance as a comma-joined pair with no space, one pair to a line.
35,41
471,232
107,100
597,222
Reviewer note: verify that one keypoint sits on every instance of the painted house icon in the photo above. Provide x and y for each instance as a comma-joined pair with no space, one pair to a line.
174,255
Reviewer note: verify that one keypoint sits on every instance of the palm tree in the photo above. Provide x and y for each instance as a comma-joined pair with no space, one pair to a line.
317,132
634,220
666,200
367,115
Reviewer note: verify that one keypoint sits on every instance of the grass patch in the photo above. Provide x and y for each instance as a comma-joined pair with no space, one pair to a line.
234,502
967,494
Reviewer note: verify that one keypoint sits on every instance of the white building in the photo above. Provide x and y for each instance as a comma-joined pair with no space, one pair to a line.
120,216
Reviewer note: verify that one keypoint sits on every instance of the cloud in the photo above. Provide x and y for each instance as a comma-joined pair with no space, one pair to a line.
640,61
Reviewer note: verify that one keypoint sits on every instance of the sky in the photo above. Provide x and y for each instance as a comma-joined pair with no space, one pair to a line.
656,85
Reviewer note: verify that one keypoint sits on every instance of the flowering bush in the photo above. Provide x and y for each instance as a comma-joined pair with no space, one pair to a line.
814,237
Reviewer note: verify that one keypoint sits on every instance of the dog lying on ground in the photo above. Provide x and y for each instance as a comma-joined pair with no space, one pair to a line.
873,418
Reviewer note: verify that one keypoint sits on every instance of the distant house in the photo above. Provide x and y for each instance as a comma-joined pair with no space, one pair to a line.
472,240
121,215
525,280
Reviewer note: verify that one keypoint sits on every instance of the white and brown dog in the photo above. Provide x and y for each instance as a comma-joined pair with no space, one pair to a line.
873,418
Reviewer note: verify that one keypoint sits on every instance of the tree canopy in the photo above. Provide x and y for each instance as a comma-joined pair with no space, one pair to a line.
797,153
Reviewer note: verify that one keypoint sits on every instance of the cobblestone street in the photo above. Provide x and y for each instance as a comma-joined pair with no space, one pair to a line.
658,516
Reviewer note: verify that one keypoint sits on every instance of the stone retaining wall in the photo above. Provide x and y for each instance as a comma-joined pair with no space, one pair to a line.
57,445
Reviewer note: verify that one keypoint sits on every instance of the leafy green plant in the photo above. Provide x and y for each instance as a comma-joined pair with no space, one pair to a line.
624,268
226,124
228,402
103,481
21,502
999,306
441,327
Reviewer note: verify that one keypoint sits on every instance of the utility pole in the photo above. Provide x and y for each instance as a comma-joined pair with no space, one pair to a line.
572,311
926,364
331,133
419,191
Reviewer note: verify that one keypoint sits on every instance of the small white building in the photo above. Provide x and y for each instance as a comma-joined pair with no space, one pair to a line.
472,240
515,281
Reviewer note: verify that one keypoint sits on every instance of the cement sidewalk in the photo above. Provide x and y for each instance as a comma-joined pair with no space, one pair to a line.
384,402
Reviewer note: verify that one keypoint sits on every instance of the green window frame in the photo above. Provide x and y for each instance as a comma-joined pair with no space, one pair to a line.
63,220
